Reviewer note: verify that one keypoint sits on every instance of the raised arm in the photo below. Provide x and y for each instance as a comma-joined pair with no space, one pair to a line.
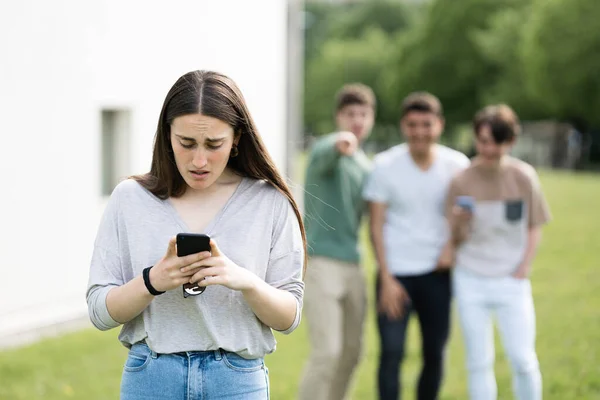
328,151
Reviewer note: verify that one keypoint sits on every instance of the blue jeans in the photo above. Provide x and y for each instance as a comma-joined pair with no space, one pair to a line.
192,375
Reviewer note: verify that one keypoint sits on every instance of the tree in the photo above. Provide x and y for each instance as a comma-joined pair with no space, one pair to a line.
502,46
324,21
561,56
342,61
443,56
352,43
355,19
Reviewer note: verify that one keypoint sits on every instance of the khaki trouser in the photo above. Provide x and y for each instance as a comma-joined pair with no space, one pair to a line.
334,309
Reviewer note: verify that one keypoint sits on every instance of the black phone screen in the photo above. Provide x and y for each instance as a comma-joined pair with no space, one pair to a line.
192,243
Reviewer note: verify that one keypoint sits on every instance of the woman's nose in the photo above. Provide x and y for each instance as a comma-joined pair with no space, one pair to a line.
199,159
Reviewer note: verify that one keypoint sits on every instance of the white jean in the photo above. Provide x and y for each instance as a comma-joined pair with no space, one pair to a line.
479,298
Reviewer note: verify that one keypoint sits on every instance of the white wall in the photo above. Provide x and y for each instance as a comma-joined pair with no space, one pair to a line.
61,62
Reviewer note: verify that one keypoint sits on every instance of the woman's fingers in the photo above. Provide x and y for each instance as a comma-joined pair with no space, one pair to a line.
212,280
188,261
215,248
203,263
203,273
190,271
172,249
196,265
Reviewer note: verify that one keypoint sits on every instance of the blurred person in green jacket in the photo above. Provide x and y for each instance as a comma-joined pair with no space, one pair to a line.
335,294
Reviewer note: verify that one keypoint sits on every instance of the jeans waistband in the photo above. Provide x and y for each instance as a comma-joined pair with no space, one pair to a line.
218,354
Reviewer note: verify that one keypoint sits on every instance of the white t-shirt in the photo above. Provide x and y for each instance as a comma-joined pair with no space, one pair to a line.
415,229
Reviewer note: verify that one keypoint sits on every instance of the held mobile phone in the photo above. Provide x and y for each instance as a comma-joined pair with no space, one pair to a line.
466,202
192,243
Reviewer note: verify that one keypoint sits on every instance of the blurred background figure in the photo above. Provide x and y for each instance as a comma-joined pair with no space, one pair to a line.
497,236
406,191
335,296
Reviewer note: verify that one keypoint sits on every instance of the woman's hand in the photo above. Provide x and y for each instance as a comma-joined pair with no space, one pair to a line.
220,270
172,271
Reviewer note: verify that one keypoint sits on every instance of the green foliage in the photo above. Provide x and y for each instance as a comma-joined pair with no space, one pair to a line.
358,44
358,18
443,57
561,56
540,56
325,21
502,46
342,61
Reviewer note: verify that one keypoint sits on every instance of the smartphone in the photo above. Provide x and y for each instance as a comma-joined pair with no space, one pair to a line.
466,202
192,243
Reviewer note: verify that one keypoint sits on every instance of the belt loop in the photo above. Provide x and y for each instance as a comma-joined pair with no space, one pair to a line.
153,354
218,354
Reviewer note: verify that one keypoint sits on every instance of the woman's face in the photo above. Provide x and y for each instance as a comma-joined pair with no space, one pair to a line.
201,146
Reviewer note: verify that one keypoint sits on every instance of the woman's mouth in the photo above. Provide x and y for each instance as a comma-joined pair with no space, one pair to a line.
199,174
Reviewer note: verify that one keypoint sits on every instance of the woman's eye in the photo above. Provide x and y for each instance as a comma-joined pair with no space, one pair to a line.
214,147
187,146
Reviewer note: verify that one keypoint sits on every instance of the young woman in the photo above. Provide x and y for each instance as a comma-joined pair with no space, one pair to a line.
211,174
497,209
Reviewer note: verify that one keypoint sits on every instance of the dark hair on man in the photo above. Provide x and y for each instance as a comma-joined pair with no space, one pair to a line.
355,93
502,120
421,102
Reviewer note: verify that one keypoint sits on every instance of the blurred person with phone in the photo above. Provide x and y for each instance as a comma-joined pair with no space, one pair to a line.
335,299
496,234
210,174
406,193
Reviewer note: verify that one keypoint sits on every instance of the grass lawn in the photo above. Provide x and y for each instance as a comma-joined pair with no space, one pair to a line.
87,364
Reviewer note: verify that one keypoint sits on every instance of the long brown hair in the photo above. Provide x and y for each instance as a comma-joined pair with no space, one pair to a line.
214,95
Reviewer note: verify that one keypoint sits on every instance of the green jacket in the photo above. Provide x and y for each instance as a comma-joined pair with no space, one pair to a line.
333,203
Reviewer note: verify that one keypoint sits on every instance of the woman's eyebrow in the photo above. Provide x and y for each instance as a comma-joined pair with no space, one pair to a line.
185,138
217,139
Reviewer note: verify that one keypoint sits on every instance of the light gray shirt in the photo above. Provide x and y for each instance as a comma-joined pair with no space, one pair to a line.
257,229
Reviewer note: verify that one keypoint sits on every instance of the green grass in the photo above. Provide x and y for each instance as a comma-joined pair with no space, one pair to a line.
87,364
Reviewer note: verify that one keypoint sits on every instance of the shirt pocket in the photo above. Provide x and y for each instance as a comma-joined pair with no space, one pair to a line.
514,211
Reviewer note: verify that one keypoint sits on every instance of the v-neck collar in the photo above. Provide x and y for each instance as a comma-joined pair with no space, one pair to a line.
210,227
432,166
